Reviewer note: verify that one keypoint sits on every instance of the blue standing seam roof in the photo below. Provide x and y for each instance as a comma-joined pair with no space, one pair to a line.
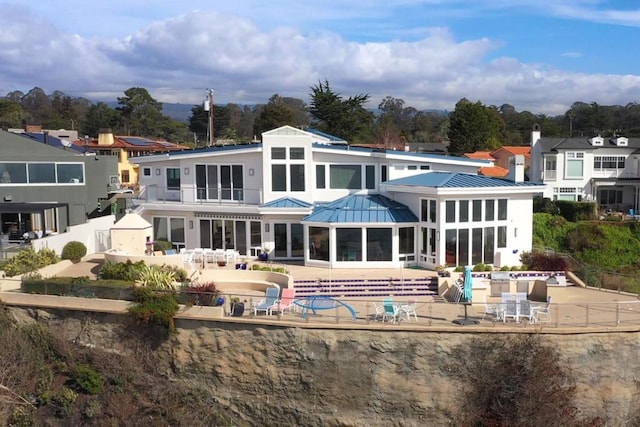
331,138
286,202
372,208
457,180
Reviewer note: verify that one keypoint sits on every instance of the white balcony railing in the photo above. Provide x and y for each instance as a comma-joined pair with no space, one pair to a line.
191,195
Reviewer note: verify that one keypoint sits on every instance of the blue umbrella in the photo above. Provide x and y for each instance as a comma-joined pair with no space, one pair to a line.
467,295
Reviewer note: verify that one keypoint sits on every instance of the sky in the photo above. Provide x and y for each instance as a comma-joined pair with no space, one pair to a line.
534,55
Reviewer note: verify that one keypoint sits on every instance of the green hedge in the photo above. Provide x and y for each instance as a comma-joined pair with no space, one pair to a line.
80,287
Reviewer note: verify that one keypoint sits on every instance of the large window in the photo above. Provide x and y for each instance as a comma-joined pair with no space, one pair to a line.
319,243
370,172
502,236
348,177
297,177
379,244
320,177
609,196
215,182
287,174
278,177
574,165
608,162
450,211
41,173
489,210
477,210
169,229
349,244
407,241
463,215
502,209
173,178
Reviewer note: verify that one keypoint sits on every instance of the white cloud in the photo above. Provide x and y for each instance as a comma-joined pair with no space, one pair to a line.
177,59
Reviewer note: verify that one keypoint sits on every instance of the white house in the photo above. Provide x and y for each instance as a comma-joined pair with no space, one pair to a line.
308,196
606,170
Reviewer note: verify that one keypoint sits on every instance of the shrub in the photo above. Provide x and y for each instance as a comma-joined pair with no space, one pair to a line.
479,267
201,294
28,260
121,270
87,379
518,381
543,261
162,245
156,277
269,268
153,308
74,251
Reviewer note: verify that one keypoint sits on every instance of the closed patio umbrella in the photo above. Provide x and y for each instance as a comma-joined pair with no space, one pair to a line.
467,296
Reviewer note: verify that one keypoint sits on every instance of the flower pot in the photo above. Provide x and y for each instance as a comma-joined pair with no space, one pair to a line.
263,257
237,309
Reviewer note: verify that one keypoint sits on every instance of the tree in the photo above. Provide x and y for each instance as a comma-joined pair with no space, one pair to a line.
346,118
199,124
475,127
100,116
272,115
11,114
140,112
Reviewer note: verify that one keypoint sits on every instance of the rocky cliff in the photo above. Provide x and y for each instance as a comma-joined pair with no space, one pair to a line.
266,375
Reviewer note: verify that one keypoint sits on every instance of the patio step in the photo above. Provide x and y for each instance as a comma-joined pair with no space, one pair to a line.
361,288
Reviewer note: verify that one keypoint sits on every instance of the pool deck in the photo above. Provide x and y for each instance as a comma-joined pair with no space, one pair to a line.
575,309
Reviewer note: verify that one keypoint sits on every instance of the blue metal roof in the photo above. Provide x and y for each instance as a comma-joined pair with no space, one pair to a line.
408,154
331,138
52,141
286,202
457,180
372,208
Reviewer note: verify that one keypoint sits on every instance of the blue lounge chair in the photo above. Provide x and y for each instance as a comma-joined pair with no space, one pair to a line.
269,302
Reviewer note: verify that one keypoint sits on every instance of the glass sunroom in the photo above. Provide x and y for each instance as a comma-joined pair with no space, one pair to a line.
361,230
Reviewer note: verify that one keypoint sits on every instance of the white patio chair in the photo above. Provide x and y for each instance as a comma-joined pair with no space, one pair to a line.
378,311
490,309
542,313
409,310
525,312
510,310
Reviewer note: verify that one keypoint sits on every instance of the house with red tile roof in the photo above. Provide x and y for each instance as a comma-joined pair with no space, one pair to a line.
127,148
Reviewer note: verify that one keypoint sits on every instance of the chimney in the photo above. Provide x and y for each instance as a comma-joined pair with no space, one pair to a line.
105,137
516,168
535,134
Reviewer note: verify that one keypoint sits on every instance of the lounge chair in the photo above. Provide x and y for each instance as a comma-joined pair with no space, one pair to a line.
268,303
286,301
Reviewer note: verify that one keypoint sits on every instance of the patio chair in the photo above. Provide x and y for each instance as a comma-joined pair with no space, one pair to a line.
286,301
490,309
390,310
525,312
542,313
268,302
409,310
510,310
378,311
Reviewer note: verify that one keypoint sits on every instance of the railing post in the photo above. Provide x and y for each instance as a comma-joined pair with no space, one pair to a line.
337,314
251,311
587,308
617,313
366,311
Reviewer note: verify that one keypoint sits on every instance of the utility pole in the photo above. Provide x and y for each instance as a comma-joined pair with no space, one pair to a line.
211,117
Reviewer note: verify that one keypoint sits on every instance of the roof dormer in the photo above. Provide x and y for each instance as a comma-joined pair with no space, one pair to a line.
597,141
621,141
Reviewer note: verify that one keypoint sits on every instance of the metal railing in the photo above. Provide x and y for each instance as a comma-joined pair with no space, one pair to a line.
196,195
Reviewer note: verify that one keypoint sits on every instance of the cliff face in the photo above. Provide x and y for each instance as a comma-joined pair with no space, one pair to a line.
265,375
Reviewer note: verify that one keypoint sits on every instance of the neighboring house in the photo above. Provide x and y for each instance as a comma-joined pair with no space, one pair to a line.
308,196
606,170
504,155
47,188
126,148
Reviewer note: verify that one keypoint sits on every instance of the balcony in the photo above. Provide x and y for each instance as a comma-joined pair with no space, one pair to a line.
549,175
200,196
